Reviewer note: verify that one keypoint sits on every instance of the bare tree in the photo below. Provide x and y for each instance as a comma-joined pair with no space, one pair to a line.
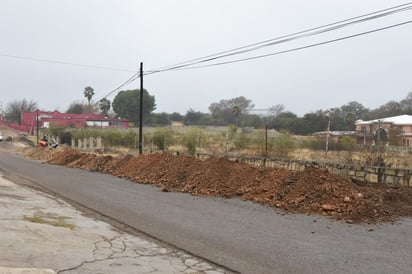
276,110
406,104
14,109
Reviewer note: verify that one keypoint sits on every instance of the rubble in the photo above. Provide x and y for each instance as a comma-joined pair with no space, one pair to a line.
313,191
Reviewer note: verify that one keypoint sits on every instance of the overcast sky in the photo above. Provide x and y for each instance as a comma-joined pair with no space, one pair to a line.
371,69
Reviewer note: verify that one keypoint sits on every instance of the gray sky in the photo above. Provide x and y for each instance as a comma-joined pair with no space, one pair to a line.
371,69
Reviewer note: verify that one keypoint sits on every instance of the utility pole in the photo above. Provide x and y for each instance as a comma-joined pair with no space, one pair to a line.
141,110
37,126
266,141
327,140
379,140
380,160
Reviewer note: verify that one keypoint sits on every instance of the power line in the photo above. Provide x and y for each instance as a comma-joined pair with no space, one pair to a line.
62,62
294,49
128,81
186,65
290,37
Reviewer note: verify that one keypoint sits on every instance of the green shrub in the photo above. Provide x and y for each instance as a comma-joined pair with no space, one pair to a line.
348,143
282,145
162,137
190,140
241,141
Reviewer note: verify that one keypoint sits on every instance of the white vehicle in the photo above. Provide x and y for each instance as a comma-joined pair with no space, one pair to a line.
1,137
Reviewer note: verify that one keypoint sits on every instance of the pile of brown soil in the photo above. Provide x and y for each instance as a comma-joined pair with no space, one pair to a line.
313,191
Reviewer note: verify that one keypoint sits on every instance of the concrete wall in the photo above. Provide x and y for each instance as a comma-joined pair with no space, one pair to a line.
89,144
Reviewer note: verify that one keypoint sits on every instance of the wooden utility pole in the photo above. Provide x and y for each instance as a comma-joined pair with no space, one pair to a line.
327,140
141,110
266,141
37,127
379,140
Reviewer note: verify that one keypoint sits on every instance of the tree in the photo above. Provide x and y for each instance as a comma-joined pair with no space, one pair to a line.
88,93
76,108
276,110
230,110
350,120
252,121
406,104
284,120
391,108
104,105
159,119
356,108
15,108
192,117
176,116
126,104
312,122
79,107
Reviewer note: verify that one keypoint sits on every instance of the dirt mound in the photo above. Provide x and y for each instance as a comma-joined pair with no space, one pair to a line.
318,191
313,191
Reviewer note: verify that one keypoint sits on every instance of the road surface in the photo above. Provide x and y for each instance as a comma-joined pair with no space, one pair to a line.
242,236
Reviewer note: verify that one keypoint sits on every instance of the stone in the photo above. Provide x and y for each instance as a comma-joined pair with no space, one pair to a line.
328,207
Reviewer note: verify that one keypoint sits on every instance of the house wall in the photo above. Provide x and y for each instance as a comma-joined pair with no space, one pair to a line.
365,133
47,118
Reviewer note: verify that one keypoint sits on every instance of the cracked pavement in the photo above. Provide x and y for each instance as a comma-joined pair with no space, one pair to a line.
43,234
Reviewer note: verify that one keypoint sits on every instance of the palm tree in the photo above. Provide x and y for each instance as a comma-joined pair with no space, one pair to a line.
88,93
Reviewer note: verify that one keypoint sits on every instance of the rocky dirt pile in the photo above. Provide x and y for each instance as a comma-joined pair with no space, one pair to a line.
313,191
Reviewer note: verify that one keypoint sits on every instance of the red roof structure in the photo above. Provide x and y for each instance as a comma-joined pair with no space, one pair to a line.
47,118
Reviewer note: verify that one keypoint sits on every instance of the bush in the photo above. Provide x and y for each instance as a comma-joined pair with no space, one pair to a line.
241,141
348,143
162,137
66,138
282,145
191,140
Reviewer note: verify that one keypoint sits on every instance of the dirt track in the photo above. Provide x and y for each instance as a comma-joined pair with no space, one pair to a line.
313,191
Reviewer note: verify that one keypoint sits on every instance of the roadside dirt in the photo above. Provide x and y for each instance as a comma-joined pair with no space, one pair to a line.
12,140
313,191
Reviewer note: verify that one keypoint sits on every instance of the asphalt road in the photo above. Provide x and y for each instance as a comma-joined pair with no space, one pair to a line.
240,235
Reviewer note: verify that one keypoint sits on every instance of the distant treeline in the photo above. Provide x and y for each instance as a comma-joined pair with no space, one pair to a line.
239,111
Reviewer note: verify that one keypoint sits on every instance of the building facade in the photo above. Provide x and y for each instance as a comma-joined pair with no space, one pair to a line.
396,131
44,119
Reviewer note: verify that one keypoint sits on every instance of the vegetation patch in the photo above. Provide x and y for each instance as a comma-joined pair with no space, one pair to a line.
58,221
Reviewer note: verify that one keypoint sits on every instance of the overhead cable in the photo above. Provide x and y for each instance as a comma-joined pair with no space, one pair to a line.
294,49
290,37
189,64
62,62
128,81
